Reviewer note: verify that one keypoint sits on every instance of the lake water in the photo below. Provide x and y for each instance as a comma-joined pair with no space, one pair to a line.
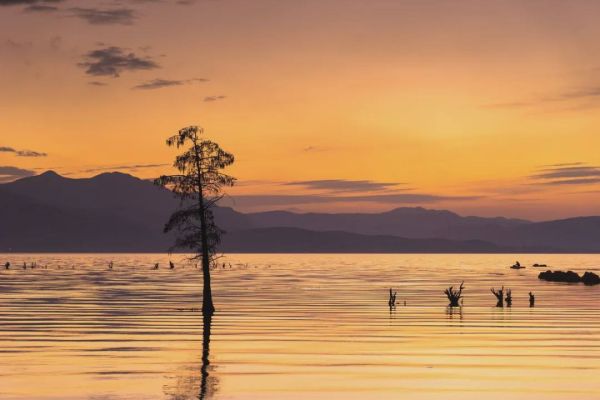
296,327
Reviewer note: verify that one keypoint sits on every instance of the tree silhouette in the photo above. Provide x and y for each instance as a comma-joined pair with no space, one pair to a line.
453,295
499,296
199,187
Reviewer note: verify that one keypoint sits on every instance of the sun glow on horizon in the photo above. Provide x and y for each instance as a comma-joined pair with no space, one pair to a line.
461,103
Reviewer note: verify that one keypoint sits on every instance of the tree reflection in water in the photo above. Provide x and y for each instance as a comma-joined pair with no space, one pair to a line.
207,385
189,384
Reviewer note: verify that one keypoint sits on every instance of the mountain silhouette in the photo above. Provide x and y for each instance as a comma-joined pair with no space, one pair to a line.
411,222
296,240
118,212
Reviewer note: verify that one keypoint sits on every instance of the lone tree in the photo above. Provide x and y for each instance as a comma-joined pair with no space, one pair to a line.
199,187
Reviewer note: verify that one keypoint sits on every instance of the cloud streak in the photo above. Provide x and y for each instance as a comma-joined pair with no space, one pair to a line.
9,173
590,94
42,8
344,185
96,16
314,149
26,2
568,174
130,167
22,153
112,61
163,83
214,98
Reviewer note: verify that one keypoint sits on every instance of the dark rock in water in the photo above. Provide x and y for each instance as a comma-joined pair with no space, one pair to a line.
590,278
560,276
539,265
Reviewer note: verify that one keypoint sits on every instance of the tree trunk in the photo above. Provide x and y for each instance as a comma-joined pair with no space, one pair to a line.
208,307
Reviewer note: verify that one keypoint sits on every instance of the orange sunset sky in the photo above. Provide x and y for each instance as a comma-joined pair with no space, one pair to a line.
480,107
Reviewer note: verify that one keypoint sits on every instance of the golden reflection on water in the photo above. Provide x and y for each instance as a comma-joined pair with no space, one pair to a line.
296,327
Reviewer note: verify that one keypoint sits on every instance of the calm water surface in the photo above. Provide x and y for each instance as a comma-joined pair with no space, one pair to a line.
296,327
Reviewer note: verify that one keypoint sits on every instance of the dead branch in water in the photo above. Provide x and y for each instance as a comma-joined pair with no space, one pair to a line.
499,296
454,296
508,298
392,300
531,300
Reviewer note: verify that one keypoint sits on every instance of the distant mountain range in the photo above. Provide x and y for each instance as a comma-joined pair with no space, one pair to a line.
115,212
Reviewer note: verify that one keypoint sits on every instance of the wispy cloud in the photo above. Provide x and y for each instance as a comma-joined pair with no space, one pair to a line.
568,174
314,149
97,16
30,153
345,185
582,98
163,83
571,164
591,92
22,153
158,84
180,2
214,98
41,8
128,167
577,181
112,61
34,6
26,2
9,173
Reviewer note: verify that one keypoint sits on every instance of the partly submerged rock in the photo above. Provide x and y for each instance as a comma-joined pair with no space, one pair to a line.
560,276
539,265
590,278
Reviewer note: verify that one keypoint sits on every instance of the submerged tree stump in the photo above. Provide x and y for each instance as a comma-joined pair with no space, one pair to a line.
531,300
499,296
508,298
454,296
392,299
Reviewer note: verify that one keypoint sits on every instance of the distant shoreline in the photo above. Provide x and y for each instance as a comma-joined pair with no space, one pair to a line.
304,252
